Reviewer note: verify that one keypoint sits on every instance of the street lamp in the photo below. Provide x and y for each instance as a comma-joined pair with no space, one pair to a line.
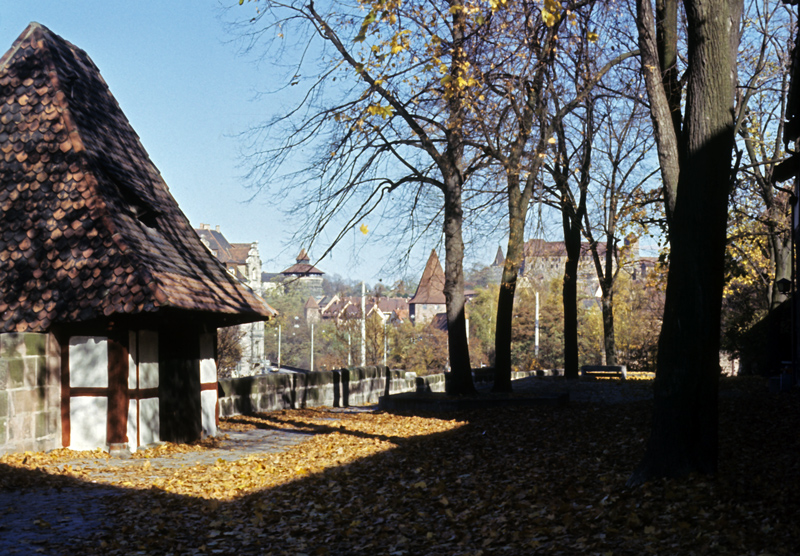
784,286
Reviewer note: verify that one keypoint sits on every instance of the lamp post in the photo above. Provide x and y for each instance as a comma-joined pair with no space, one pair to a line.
363,326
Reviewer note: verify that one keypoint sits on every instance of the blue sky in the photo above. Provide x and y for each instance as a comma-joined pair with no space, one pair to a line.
188,92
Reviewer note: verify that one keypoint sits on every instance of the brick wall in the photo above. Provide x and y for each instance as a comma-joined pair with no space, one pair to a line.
30,393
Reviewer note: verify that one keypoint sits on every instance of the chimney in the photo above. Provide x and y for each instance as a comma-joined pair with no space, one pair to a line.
217,227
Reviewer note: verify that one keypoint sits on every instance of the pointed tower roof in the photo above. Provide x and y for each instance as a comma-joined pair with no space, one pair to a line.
302,267
431,285
499,259
88,228
311,303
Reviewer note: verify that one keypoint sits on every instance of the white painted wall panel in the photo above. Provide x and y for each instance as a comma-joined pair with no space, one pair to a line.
208,403
88,361
88,416
208,366
149,421
132,382
148,359
133,424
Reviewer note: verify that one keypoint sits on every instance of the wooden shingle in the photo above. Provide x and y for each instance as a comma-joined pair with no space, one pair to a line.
88,228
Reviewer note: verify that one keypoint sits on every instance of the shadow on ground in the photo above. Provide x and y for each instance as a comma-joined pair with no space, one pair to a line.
544,480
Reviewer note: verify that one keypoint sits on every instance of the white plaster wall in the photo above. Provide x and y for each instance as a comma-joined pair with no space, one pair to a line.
208,366
208,403
148,359
87,422
133,424
132,379
149,421
88,361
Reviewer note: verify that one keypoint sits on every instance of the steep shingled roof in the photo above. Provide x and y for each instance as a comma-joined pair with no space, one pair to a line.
88,228
499,258
431,286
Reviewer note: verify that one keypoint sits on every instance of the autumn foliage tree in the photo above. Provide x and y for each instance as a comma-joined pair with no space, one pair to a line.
621,175
394,120
760,243
531,71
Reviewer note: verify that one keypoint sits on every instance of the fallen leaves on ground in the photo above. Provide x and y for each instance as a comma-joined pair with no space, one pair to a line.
337,439
523,480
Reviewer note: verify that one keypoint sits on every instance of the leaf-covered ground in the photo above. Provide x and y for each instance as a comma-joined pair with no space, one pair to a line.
539,480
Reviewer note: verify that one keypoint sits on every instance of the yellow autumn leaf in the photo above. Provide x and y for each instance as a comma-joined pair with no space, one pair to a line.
382,111
592,36
364,229
553,6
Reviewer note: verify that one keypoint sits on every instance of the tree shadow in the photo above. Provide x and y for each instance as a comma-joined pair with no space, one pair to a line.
264,421
510,480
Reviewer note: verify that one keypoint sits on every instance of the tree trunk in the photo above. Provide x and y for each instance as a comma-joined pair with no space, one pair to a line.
660,95
572,242
453,174
684,436
781,253
609,338
457,343
505,300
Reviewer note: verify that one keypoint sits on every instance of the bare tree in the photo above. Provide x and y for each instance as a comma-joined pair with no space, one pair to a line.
570,157
396,121
623,143
525,49
229,350
764,70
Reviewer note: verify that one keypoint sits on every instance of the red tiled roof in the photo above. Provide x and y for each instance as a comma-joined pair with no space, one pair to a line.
542,248
239,252
389,304
88,228
302,266
431,285
402,314
302,269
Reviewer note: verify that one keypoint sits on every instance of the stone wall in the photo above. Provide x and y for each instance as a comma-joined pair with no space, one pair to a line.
342,388
30,393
